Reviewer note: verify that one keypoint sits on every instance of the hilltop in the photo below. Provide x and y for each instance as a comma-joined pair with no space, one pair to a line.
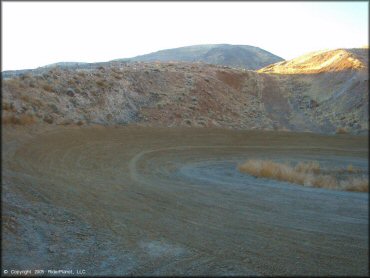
236,56
322,61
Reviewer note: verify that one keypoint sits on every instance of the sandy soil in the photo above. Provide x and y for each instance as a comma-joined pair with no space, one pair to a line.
146,201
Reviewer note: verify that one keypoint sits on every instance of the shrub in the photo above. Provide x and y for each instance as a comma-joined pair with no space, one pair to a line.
25,76
116,70
71,82
101,83
48,120
116,76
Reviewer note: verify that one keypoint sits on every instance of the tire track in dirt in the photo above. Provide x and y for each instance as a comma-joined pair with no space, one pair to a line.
171,202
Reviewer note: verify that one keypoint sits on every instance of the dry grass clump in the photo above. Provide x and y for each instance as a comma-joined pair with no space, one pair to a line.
48,120
279,171
8,107
341,130
13,85
303,173
116,76
308,167
47,88
101,83
351,169
21,120
81,74
25,98
360,184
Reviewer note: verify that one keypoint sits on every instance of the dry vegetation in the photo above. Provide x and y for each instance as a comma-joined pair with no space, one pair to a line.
18,120
342,130
188,94
307,174
47,88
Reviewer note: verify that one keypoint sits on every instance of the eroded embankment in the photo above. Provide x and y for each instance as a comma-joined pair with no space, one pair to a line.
144,201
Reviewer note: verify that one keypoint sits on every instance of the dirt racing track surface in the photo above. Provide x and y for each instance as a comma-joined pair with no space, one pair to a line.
146,201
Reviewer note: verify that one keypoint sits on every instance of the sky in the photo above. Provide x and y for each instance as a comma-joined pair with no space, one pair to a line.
39,33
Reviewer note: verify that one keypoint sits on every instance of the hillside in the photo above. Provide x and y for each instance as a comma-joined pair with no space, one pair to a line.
237,56
322,61
159,94
190,94
333,84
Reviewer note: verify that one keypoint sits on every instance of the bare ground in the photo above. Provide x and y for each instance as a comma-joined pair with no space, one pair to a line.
159,201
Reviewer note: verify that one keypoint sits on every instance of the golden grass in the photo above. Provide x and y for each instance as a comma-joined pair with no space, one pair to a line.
351,169
101,83
47,88
355,184
341,130
303,173
81,74
8,107
21,120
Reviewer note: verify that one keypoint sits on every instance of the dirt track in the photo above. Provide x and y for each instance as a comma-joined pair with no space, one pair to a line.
145,201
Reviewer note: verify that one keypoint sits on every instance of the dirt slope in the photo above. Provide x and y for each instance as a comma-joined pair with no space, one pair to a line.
187,94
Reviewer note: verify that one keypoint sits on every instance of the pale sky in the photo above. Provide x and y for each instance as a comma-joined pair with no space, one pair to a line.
39,33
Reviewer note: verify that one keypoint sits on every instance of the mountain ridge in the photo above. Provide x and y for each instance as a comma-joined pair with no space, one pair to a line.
241,56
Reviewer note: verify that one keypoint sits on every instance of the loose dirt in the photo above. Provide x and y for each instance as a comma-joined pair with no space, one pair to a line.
159,201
